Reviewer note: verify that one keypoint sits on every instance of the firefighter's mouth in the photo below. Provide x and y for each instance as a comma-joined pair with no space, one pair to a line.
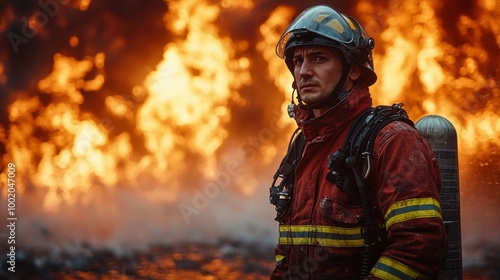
308,87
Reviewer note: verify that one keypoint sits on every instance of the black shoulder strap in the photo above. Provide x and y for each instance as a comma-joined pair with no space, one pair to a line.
364,135
293,155
358,145
281,191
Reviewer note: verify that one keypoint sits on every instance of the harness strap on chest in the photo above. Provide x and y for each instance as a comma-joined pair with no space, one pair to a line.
280,192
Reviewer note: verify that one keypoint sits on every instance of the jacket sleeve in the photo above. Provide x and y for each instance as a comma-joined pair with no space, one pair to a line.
281,264
407,182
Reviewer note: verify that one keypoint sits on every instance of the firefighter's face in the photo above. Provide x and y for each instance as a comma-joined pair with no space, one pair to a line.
317,70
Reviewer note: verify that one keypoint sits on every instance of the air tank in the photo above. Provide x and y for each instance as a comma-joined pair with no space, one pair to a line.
442,137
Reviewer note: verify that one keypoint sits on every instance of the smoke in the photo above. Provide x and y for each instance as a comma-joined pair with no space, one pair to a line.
480,183
125,220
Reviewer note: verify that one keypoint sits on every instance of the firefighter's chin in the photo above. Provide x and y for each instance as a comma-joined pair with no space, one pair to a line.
312,97
314,100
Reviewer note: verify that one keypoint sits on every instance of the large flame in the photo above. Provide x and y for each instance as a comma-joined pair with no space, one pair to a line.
449,79
186,109
76,150
182,116
206,111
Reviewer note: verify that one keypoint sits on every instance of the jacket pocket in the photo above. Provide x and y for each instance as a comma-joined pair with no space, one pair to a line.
340,213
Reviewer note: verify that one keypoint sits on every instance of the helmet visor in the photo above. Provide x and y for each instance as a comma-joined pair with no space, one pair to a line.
320,20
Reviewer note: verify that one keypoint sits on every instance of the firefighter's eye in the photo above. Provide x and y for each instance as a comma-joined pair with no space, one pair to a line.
320,58
298,61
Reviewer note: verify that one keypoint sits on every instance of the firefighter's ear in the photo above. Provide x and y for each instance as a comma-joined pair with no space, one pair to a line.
294,85
354,72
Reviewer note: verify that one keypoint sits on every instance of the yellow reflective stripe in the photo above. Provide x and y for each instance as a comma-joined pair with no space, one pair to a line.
320,235
410,209
279,258
389,269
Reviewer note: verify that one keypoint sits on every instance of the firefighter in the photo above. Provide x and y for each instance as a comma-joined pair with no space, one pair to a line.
321,232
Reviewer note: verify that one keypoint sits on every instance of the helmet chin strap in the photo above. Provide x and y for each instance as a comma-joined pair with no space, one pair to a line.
335,97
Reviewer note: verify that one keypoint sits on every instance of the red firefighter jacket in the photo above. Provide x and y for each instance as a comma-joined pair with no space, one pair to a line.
320,233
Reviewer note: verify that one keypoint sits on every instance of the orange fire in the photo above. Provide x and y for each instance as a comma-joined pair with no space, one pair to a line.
193,113
190,87
186,108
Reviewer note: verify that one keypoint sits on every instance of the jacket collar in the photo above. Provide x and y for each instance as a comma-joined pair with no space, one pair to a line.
317,129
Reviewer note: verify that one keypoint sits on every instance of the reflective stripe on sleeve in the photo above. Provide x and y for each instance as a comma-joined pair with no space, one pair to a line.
389,269
279,259
410,209
320,235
